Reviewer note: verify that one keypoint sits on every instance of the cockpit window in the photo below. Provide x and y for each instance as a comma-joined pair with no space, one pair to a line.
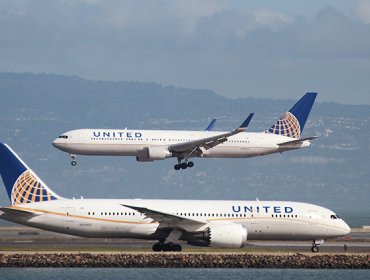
334,217
63,136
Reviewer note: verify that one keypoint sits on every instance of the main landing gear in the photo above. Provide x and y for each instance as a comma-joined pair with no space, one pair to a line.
169,246
315,247
73,158
166,247
183,165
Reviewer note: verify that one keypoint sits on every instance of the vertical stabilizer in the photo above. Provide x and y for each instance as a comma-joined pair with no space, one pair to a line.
21,183
291,124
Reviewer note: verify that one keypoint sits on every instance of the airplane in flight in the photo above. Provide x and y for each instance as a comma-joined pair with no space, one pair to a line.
150,145
215,223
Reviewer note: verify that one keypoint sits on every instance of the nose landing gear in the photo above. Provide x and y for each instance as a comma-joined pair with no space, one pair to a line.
315,248
73,158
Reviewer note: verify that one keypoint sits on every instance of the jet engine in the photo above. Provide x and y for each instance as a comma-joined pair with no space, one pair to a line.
220,235
153,153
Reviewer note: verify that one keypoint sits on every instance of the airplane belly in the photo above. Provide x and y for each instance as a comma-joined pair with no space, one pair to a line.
104,149
237,152
283,230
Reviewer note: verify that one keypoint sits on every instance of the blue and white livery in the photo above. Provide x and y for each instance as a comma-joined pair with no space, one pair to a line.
216,223
150,145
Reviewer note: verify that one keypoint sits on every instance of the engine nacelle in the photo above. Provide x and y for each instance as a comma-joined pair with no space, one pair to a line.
227,235
220,235
153,153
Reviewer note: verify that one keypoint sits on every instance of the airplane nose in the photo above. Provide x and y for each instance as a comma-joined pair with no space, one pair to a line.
56,143
346,229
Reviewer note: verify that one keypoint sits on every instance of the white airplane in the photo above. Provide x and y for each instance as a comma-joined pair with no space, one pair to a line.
198,222
150,145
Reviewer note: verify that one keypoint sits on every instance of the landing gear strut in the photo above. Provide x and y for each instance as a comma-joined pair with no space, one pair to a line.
183,164
164,246
315,247
73,157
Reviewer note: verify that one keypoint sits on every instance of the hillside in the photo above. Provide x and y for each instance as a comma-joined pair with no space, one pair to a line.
35,109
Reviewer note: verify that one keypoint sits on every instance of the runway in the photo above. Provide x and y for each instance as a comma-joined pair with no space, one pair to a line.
15,239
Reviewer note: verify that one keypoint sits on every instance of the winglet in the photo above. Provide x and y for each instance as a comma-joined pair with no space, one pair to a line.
211,125
246,122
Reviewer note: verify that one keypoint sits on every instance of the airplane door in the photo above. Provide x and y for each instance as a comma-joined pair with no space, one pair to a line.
312,217
70,217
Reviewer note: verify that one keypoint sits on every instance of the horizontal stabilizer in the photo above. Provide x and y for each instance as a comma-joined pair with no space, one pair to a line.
16,213
297,142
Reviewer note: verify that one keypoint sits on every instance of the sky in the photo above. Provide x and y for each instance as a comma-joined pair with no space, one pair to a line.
269,49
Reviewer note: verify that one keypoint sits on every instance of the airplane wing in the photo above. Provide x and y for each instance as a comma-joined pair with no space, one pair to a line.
208,142
296,142
160,216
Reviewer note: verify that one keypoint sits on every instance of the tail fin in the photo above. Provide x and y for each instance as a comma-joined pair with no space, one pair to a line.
21,183
291,124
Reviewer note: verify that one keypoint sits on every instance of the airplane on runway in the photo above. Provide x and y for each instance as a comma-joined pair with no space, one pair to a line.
150,145
215,223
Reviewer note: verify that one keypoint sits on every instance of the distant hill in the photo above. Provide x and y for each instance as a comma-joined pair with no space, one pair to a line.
35,109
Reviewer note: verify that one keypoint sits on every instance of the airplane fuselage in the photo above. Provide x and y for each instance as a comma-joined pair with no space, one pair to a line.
108,218
129,142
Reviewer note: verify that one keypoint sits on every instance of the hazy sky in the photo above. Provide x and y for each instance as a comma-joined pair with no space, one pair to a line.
277,49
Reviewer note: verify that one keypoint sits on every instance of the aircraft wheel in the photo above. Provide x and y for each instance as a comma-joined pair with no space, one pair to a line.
73,163
167,247
177,166
176,248
184,165
157,247
190,164
315,249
